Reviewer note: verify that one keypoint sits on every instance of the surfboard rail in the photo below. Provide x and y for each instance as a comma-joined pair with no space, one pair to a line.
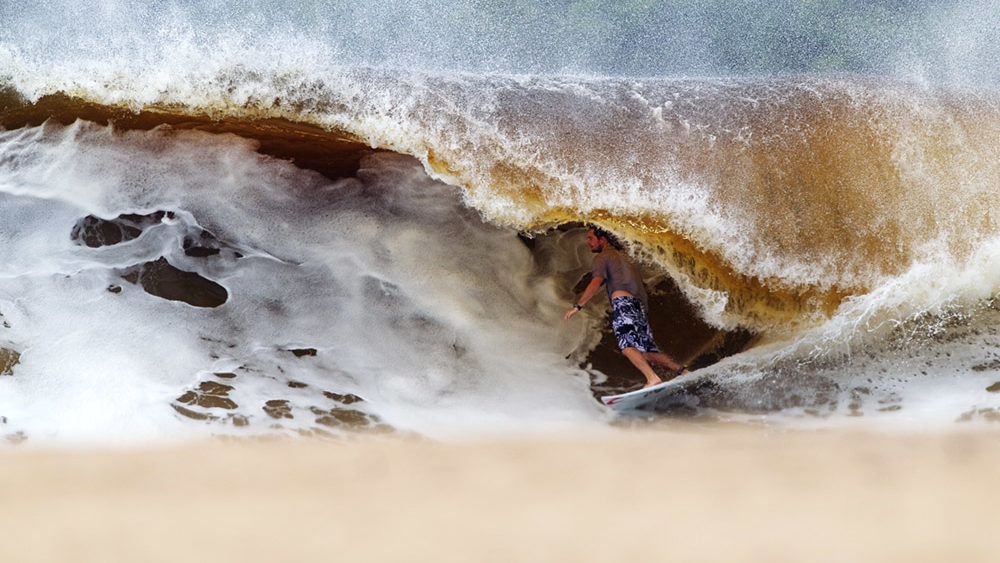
646,398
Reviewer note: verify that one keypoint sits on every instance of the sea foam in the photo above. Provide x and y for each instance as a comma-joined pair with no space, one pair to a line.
381,296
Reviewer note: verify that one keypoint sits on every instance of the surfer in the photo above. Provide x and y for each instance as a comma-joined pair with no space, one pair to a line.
628,306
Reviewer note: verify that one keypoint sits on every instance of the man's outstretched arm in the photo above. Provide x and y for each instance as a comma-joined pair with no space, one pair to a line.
592,288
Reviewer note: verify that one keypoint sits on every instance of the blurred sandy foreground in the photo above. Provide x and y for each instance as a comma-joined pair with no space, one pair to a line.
687,494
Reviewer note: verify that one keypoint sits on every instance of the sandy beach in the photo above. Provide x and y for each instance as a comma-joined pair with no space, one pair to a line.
688,494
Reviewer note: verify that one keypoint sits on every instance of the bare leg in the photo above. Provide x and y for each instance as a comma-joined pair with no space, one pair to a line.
639,361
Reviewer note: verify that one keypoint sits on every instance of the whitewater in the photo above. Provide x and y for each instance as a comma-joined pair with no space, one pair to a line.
266,221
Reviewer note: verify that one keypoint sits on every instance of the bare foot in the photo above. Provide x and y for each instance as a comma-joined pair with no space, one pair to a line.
652,384
671,375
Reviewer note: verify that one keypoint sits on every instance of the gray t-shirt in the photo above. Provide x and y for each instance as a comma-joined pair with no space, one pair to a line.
619,273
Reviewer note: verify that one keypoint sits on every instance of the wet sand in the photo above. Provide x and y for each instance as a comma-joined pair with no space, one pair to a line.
687,494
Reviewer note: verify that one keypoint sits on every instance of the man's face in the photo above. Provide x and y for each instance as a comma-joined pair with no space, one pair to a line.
595,244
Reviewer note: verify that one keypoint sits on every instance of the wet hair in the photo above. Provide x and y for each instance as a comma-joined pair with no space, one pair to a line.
603,234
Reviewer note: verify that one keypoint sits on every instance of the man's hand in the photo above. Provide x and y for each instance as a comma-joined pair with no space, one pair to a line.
593,287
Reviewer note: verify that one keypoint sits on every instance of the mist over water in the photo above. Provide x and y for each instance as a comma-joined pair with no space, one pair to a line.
934,41
817,174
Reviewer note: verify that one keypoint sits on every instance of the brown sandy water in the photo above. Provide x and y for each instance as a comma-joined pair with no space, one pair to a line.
788,195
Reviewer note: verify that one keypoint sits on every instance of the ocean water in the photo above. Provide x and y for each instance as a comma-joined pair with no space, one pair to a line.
337,219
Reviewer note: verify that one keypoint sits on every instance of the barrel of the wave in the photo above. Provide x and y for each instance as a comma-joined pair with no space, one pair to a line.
769,200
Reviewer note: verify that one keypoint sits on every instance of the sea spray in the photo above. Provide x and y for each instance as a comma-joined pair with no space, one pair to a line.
815,206
380,296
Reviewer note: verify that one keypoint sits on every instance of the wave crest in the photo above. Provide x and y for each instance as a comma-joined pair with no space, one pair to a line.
770,201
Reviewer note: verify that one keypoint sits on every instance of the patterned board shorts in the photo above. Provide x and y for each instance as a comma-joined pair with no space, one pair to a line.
628,319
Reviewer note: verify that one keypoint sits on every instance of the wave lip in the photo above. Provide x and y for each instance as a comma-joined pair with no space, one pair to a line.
770,200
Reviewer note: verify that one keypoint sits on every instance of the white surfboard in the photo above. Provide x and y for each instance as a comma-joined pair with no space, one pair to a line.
645,399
